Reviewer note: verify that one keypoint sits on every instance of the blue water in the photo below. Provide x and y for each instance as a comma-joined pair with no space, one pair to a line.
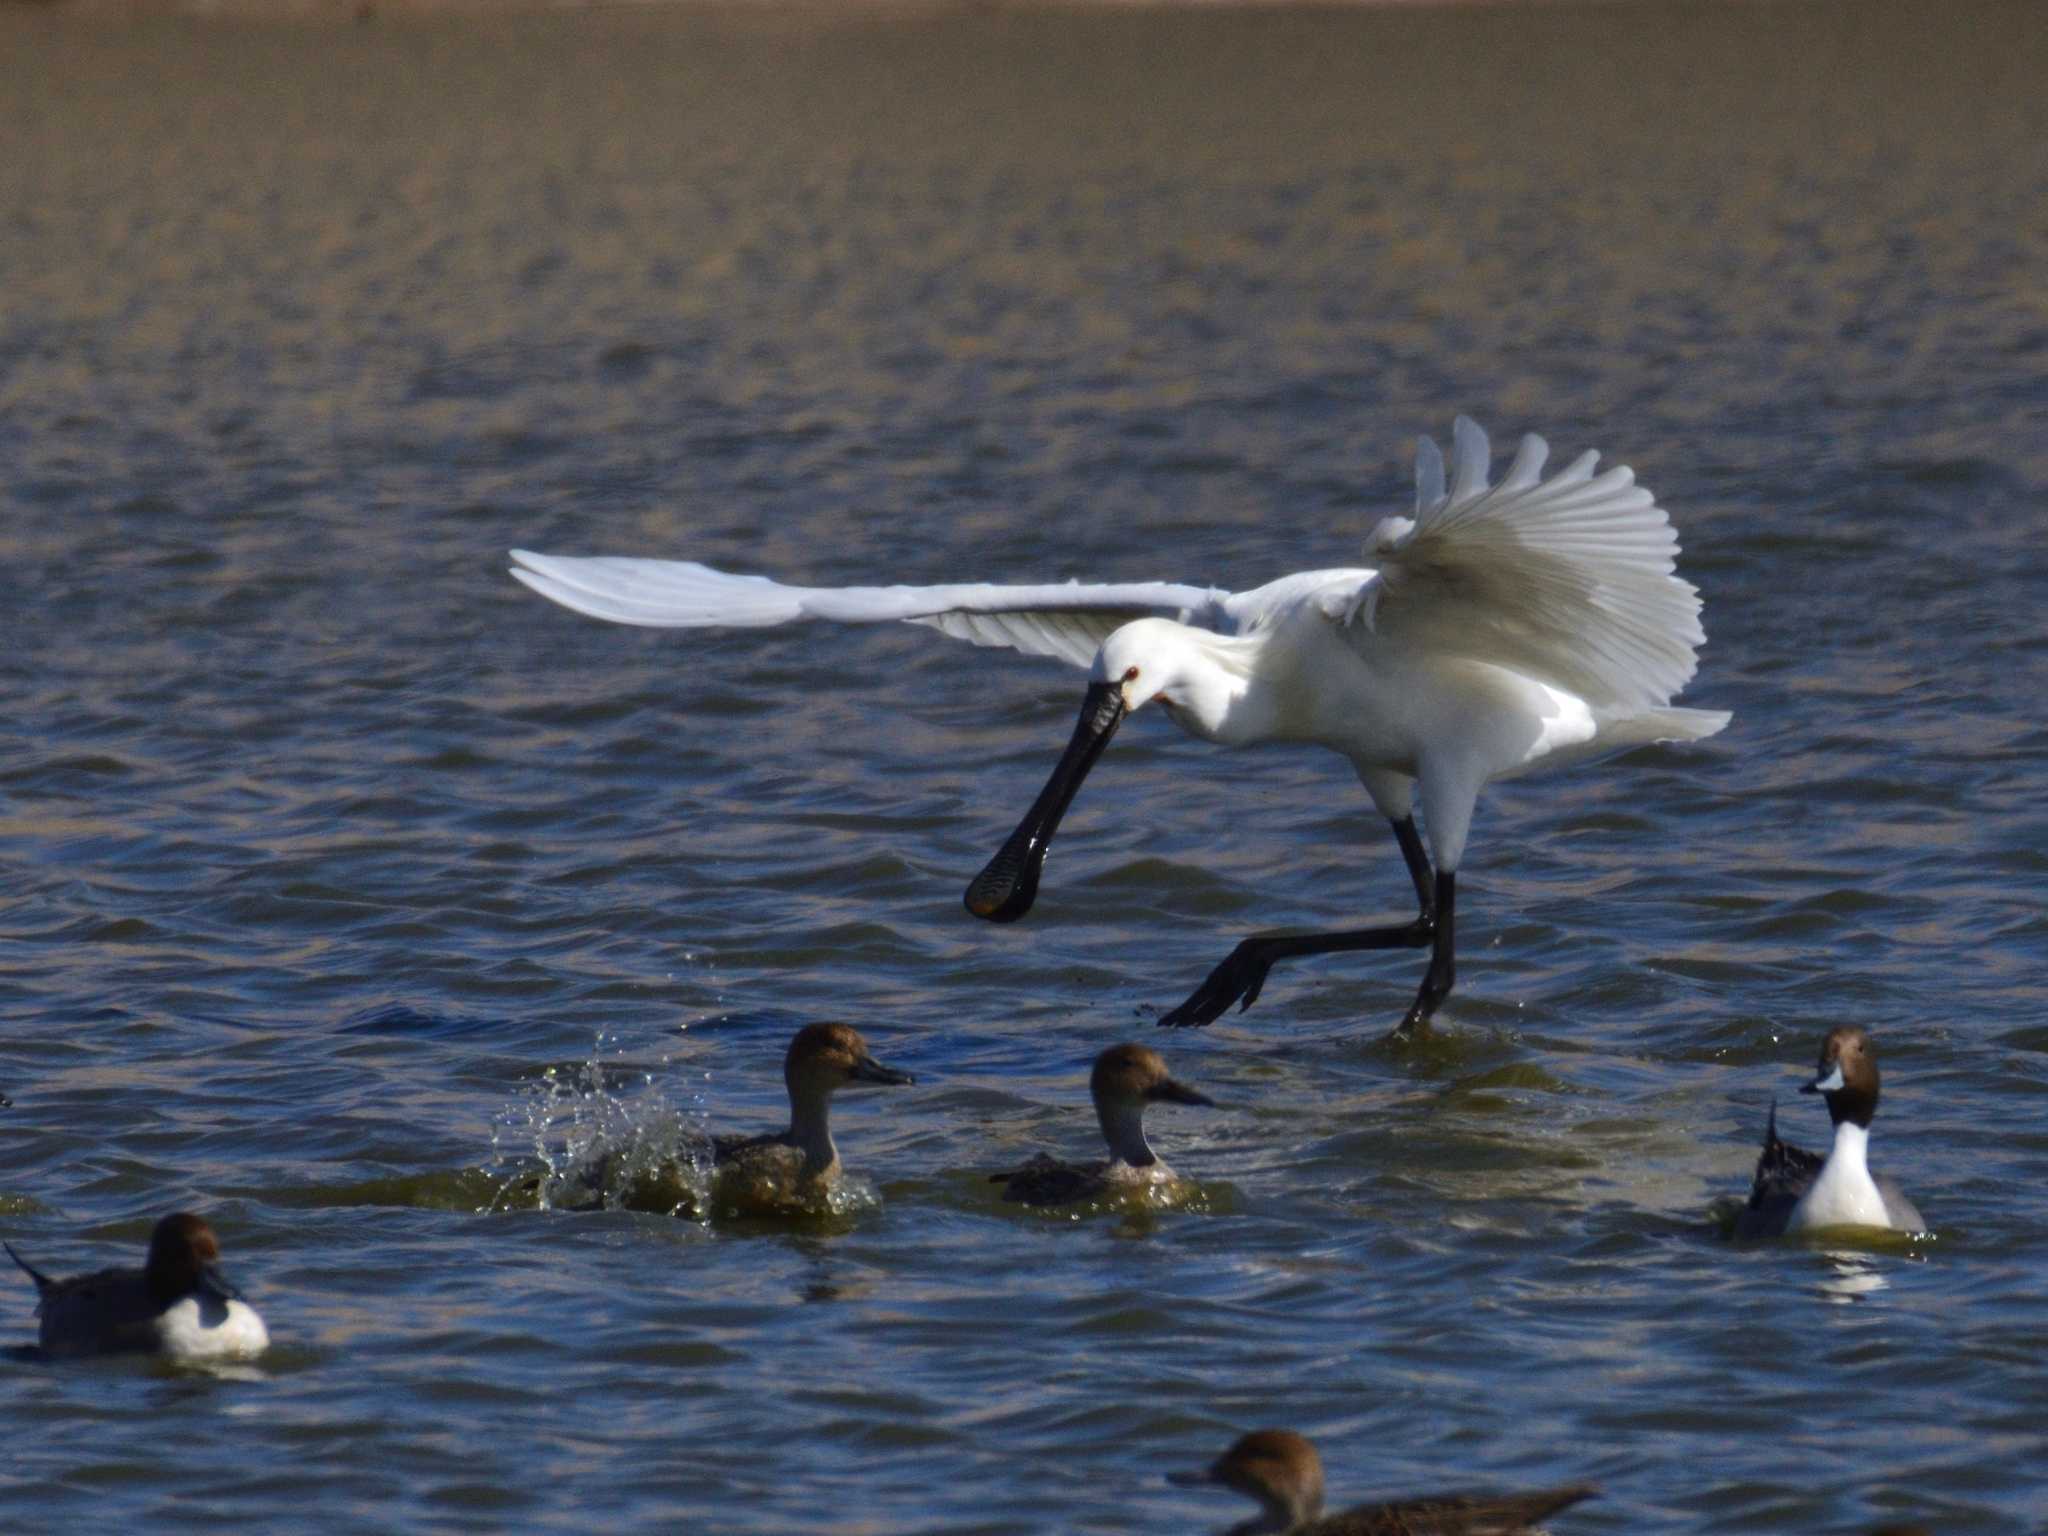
344,880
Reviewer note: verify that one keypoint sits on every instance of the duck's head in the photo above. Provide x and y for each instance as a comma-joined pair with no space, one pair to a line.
184,1259
1847,1075
824,1058
1275,1466
1136,1075
1126,1079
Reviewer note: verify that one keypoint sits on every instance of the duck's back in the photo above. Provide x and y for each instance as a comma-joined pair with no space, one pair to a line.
766,1165
1450,1514
767,1175
106,1312
1045,1180
733,1151
1784,1173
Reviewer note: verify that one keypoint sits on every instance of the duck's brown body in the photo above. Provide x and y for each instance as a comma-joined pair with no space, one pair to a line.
1282,1471
1125,1079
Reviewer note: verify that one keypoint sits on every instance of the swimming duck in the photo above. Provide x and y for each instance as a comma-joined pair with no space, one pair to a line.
178,1304
782,1168
822,1059
1281,1470
1798,1191
1126,1078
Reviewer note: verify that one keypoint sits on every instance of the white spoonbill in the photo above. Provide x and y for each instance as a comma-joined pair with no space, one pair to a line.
1533,623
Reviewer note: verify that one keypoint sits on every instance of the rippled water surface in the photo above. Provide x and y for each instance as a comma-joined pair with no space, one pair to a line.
345,881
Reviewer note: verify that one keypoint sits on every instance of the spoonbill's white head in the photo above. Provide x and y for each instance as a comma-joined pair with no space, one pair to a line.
1151,659
1146,659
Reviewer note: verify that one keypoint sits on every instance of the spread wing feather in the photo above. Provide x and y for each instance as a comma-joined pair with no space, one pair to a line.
1571,579
1067,621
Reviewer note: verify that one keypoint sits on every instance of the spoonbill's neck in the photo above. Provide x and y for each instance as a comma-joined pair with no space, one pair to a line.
1213,688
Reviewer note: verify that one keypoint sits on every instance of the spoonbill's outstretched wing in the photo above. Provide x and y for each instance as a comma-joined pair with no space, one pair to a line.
1064,620
1569,579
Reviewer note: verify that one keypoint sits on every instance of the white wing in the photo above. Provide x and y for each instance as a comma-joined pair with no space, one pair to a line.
1570,579
1068,621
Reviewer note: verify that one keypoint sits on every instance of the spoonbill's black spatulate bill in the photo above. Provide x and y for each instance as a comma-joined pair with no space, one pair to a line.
1500,629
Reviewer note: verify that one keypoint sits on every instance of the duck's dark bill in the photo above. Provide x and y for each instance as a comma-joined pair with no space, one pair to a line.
217,1285
1004,891
869,1070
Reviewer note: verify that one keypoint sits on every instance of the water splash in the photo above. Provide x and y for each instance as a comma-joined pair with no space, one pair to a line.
612,1133
1136,1205
604,1133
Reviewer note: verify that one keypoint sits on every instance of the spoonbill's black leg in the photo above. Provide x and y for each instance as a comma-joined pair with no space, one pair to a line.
1243,972
1442,974
1417,859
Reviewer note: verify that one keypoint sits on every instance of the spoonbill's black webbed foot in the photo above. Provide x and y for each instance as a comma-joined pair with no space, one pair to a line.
1243,971
1236,980
1424,1008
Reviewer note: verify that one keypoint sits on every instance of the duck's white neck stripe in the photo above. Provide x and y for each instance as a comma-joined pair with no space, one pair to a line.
1850,1155
1843,1194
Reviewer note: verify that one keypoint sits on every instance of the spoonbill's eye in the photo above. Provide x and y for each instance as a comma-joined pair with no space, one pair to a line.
1130,674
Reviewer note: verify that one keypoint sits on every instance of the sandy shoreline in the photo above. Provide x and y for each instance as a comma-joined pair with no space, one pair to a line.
361,10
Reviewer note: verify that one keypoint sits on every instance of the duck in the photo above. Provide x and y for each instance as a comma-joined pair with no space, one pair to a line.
822,1059
1281,1470
178,1304
1800,1191
1125,1079
779,1169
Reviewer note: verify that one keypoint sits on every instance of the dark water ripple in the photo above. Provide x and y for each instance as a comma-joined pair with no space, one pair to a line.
339,868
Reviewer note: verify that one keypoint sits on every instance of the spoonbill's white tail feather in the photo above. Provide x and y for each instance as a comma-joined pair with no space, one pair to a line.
1063,620
1669,724
1569,579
